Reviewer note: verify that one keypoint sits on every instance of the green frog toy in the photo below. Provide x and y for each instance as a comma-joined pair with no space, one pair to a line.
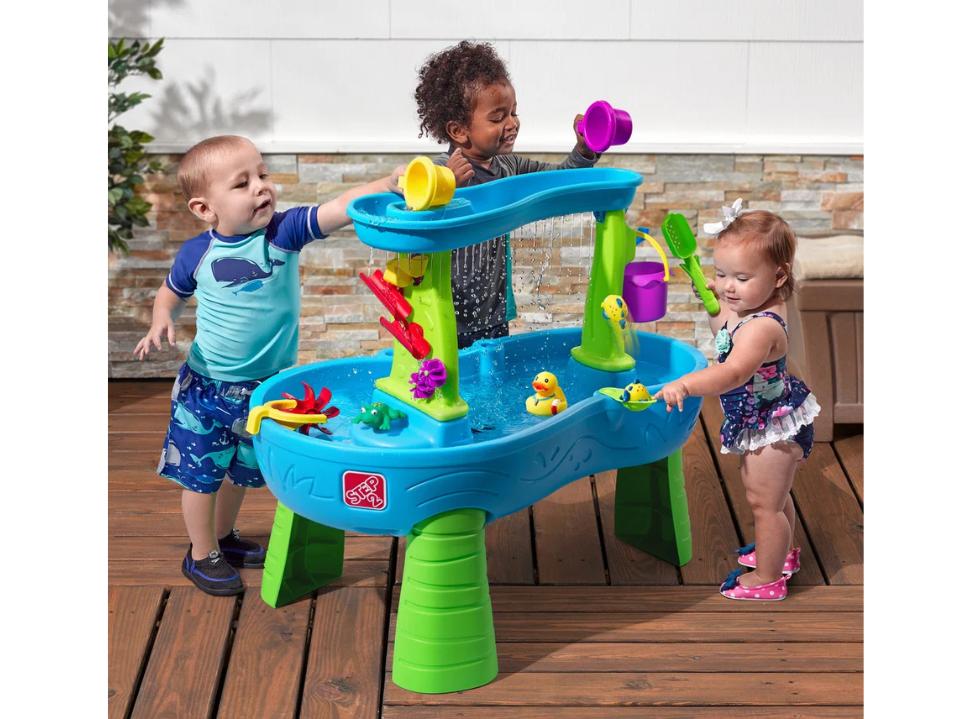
378,416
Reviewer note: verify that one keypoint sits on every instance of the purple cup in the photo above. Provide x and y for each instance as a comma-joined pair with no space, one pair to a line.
603,126
644,289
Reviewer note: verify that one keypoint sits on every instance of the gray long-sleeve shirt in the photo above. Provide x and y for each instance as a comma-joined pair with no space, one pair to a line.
482,285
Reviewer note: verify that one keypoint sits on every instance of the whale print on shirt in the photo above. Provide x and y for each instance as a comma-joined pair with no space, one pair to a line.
237,271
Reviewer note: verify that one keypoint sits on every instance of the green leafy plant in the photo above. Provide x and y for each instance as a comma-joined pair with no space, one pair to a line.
128,161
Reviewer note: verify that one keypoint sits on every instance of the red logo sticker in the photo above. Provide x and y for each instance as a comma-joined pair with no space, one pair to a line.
364,490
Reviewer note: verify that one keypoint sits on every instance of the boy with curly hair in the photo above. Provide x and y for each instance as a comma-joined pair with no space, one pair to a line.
465,97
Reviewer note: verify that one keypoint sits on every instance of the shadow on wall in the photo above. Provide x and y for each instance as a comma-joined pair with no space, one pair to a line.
186,112
128,18
191,111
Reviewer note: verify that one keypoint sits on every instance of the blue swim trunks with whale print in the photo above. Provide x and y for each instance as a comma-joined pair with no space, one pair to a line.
207,437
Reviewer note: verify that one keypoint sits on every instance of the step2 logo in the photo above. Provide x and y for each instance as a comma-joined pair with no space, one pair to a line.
364,490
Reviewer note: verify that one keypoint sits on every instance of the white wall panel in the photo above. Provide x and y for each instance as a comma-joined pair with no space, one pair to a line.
350,90
787,20
282,19
338,75
811,90
351,94
672,90
508,19
210,87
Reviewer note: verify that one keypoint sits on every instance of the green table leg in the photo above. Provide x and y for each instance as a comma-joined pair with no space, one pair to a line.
444,624
651,509
303,555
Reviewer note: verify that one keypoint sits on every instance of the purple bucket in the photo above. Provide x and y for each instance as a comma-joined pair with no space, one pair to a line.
644,290
603,126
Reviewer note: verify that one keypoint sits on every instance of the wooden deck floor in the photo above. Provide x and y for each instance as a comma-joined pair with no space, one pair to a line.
586,626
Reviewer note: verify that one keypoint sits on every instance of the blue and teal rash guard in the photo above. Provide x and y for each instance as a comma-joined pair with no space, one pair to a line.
248,296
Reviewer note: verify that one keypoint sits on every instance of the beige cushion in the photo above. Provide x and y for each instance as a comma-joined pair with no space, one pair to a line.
837,257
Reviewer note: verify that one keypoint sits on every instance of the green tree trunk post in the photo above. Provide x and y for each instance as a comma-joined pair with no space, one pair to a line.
432,303
302,556
615,247
444,624
651,510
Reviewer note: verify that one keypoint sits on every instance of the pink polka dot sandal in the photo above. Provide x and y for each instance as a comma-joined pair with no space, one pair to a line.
747,558
772,592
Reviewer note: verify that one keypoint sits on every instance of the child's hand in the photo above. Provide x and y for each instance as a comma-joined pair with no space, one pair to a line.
157,331
673,394
581,147
393,181
461,167
710,285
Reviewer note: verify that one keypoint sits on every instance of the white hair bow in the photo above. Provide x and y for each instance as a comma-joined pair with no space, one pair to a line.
729,214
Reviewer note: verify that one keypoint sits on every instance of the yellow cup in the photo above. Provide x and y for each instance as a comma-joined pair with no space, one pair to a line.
426,185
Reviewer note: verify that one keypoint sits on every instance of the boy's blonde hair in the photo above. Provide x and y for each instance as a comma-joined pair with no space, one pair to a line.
194,172
771,235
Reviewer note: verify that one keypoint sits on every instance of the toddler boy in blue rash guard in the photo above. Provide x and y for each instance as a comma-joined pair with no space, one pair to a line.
244,272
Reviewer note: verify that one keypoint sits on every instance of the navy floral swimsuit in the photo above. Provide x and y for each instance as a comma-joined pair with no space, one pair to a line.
771,407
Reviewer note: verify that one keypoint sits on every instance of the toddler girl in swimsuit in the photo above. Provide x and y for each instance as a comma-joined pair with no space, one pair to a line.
769,414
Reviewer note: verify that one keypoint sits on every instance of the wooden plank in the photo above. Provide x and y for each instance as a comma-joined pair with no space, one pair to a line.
172,548
832,515
344,665
688,598
137,388
148,405
842,627
151,400
145,461
137,442
633,712
567,537
589,657
850,453
860,357
166,573
252,522
627,564
685,598
187,658
136,422
712,526
648,689
140,479
263,678
133,614
167,500
509,553
730,476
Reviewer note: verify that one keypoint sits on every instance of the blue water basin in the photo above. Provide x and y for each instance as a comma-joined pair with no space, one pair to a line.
502,458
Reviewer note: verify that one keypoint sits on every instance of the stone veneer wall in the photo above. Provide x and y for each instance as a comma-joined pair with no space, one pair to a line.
816,194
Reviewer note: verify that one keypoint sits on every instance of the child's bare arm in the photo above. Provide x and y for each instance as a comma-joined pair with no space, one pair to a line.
166,308
331,216
753,345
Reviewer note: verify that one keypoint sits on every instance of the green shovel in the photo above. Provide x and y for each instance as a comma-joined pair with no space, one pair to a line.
682,243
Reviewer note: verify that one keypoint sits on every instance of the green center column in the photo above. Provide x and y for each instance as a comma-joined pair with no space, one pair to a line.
444,623
432,303
615,247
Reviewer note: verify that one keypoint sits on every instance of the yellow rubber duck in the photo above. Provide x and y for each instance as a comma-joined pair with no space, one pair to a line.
636,392
549,398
